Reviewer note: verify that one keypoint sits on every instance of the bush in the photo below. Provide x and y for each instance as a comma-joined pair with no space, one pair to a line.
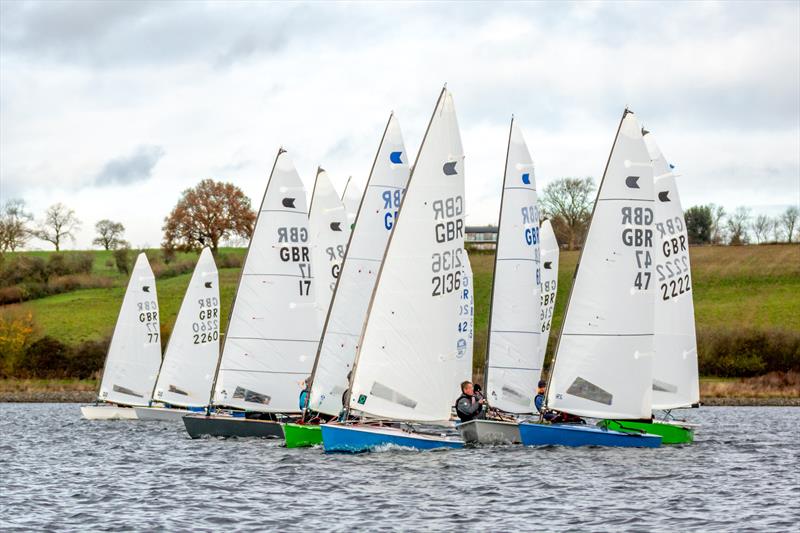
747,352
45,358
122,260
86,360
229,260
11,295
81,263
23,268
57,265
17,327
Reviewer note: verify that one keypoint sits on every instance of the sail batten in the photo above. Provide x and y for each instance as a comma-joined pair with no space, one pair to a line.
604,359
513,358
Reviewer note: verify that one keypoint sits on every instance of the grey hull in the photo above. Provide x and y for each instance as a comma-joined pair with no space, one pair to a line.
490,432
160,414
228,426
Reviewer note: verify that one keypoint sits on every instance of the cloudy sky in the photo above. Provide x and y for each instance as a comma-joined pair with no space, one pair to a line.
114,108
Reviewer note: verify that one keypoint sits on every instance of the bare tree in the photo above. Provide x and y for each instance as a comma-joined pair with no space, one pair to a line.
788,222
59,223
762,227
717,225
568,204
14,231
109,234
737,226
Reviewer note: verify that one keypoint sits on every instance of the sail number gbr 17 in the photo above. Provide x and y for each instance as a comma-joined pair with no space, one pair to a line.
446,266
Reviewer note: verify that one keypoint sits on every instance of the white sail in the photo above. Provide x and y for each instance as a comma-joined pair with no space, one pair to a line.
465,332
348,310
327,223
675,373
190,359
549,262
351,198
604,360
513,357
273,331
407,358
134,355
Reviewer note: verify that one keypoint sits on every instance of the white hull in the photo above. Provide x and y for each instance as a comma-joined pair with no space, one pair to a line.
108,412
490,432
161,414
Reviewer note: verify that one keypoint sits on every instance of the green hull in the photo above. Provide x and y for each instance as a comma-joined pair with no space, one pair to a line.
670,433
302,435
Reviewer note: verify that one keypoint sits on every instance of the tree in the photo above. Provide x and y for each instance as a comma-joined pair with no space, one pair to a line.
699,222
788,221
14,231
762,226
59,223
207,214
568,204
717,225
109,234
737,226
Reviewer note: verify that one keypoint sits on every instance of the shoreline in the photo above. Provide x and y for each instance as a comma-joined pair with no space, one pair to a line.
76,396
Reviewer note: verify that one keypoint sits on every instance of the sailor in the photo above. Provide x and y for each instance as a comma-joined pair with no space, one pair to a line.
538,401
304,393
468,407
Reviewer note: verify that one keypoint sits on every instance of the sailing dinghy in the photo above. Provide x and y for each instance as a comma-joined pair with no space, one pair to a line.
603,365
187,371
404,369
513,358
675,373
134,355
273,329
375,219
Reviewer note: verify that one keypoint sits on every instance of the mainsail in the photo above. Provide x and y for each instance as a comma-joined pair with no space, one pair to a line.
604,361
273,331
549,262
351,198
405,364
190,359
327,223
376,217
135,353
513,357
675,374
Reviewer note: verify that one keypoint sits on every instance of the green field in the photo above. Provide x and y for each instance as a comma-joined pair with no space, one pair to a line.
735,288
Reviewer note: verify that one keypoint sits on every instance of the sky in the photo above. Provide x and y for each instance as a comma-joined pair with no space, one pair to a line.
114,108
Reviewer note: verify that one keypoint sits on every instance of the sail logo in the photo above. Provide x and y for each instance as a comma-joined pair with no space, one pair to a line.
288,202
208,284
664,196
449,168
336,226
632,182
394,157
526,178
461,348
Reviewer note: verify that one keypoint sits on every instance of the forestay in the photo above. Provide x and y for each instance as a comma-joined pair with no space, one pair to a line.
327,223
192,353
675,374
375,219
351,198
549,270
513,357
134,355
273,330
604,360
406,362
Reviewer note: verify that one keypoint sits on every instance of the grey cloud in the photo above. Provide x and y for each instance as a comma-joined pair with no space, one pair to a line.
137,166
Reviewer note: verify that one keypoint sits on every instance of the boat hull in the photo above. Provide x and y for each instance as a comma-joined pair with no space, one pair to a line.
489,432
161,414
356,439
302,435
670,433
108,412
229,426
580,435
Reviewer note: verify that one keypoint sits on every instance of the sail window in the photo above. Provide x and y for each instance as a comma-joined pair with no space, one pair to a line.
514,396
175,390
380,390
589,391
660,386
125,390
251,396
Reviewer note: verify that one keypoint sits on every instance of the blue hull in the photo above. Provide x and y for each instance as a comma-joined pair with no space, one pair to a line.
579,435
355,439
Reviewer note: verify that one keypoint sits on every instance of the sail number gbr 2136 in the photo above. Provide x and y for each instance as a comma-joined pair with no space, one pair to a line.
446,266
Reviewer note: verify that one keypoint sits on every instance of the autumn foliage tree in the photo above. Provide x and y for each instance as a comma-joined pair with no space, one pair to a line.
206,215
567,202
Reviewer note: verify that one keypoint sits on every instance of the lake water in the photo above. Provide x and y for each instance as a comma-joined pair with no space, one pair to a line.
59,472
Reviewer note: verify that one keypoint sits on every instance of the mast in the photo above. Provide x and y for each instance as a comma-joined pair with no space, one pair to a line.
383,259
577,267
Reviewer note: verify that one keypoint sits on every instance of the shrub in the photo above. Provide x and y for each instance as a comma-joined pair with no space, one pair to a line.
86,360
11,295
81,263
747,352
229,260
122,260
45,358
57,265
17,327
23,268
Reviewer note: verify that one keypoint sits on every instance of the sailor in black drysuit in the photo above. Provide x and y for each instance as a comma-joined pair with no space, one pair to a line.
468,407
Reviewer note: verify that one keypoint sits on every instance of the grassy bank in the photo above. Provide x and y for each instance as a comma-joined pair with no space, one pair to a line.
747,305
